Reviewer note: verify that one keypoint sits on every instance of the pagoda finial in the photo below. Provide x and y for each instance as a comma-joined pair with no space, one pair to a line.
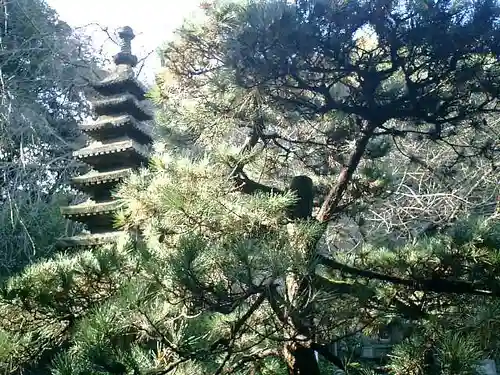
125,56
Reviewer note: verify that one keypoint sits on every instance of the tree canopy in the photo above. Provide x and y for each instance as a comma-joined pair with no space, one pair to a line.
45,67
325,171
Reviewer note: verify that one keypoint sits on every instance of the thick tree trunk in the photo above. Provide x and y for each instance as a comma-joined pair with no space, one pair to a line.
301,360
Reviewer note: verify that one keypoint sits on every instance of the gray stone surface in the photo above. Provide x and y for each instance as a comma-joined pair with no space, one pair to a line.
107,127
120,141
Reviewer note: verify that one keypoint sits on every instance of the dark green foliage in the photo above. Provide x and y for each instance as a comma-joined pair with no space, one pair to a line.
302,187
28,230
363,111
45,67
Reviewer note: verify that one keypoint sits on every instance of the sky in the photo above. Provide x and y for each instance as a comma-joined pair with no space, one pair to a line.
153,22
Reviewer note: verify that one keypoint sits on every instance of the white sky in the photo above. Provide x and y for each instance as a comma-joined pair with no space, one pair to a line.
152,21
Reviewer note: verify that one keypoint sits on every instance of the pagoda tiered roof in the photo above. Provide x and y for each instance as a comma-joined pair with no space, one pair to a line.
120,81
105,157
100,184
119,143
97,215
90,239
110,127
122,103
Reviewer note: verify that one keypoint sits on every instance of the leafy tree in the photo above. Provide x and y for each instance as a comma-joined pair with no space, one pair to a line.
328,169
45,67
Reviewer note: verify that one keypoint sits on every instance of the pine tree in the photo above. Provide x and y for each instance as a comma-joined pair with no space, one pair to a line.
325,170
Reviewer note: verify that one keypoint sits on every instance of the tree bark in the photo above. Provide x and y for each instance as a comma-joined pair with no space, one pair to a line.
301,360
336,193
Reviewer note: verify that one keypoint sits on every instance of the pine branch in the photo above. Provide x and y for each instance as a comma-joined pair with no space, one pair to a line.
248,186
429,285
242,182
336,193
252,358
234,332
276,302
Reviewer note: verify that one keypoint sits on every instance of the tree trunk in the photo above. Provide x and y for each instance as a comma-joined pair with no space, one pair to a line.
301,360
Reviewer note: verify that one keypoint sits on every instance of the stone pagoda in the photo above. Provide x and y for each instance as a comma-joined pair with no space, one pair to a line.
119,142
